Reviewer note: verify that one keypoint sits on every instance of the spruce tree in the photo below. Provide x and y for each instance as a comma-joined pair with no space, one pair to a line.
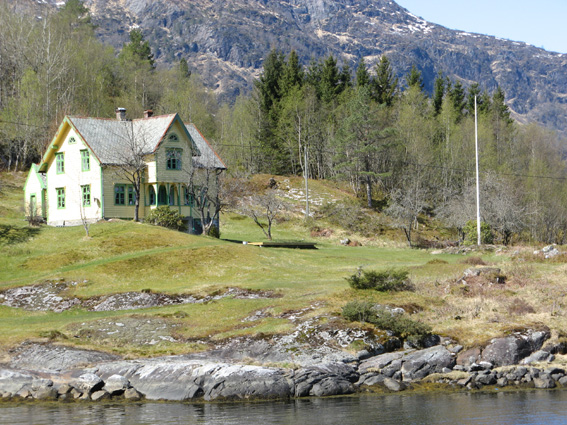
362,75
438,93
414,78
330,80
292,74
385,85
457,96
138,48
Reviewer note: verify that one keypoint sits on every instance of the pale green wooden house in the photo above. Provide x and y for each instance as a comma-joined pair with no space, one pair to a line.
81,177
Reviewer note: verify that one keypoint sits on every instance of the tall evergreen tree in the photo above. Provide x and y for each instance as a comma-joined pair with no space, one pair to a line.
457,96
138,48
385,85
414,78
292,74
362,75
438,92
330,80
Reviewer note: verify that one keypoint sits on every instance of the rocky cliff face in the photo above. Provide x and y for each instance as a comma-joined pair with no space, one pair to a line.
226,41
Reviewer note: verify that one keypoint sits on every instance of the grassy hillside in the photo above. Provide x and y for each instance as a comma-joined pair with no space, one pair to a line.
123,257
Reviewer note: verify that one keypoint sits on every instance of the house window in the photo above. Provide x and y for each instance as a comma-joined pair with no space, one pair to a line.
162,195
173,159
85,160
173,138
152,196
188,197
60,197
72,141
120,194
60,162
86,195
131,195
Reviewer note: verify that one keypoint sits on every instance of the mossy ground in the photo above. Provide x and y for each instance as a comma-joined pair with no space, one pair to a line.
124,256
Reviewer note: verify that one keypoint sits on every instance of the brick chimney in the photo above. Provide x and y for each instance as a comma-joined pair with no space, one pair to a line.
148,113
121,114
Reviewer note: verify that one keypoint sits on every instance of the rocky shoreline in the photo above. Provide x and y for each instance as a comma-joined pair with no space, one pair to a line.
54,372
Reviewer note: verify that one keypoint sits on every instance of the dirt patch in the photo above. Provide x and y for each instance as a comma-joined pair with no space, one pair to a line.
51,296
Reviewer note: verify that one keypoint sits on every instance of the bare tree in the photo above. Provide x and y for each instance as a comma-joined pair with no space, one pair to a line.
204,187
407,202
130,158
500,206
265,206
84,220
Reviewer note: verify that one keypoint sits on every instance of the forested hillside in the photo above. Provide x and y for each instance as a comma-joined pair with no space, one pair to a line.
403,151
227,41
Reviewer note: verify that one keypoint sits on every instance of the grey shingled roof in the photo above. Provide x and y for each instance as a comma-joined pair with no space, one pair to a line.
208,157
112,140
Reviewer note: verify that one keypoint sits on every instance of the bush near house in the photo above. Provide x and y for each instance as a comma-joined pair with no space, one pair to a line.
166,217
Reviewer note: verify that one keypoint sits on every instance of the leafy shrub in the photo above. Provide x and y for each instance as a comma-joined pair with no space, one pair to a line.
166,217
400,325
214,232
358,311
473,261
383,281
470,232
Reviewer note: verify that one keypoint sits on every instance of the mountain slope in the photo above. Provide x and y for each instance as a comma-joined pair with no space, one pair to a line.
226,41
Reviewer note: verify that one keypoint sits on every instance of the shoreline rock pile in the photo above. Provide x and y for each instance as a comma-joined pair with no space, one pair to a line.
51,372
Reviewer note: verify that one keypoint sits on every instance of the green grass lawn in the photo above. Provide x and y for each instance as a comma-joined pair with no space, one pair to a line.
124,256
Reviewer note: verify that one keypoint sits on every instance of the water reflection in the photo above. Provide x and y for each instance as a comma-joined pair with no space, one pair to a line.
506,408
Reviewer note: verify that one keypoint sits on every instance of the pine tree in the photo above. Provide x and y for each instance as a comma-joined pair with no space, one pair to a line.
414,78
292,74
457,96
330,80
184,68
438,93
362,75
138,48
385,85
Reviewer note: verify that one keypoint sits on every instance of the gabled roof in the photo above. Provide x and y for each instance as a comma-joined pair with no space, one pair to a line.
112,140
41,177
208,157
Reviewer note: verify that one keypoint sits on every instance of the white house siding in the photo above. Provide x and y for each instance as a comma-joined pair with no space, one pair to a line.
71,180
33,188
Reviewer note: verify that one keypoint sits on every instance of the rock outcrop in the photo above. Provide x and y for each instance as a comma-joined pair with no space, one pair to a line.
50,372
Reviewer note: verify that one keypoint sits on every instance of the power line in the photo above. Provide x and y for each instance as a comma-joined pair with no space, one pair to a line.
484,172
21,123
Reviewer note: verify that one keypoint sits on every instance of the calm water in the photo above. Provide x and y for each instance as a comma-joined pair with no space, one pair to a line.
534,407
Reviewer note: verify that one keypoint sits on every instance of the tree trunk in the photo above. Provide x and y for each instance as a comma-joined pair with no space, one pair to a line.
369,191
